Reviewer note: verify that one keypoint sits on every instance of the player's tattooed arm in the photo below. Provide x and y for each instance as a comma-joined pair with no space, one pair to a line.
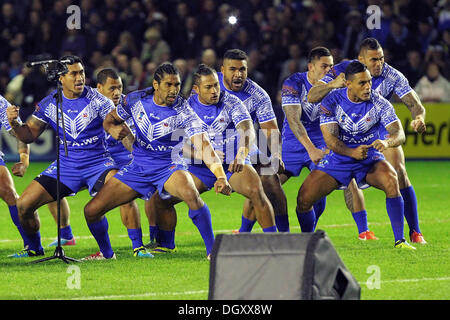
330,133
115,126
412,102
320,90
26,132
293,114
396,137
19,168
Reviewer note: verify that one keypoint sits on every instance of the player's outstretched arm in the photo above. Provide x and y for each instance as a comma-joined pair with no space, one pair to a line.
26,132
116,126
273,136
320,90
293,113
413,103
246,140
21,167
205,150
330,133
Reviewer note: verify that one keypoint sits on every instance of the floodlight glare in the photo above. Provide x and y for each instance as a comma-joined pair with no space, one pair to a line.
232,20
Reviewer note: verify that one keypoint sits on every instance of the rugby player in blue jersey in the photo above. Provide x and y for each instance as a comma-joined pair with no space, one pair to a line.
350,120
303,144
87,164
7,190
161,118
229,126
110,85
302,140
386,80
233,79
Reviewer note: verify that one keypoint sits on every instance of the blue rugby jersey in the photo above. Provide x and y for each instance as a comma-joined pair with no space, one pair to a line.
359,123
254,98
220,121
83,120
389,81
4,118
159,129
294,92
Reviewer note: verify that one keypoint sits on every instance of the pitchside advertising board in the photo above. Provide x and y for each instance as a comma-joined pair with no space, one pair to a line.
432,145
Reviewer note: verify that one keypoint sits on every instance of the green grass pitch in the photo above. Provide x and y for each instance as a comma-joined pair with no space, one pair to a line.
403,274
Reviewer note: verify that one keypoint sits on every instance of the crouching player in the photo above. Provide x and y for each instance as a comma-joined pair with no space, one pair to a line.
350,122
157,113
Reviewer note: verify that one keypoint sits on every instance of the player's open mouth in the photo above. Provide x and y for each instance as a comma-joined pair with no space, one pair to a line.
79,86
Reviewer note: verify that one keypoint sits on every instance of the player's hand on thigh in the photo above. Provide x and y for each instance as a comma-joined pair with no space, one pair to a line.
222,186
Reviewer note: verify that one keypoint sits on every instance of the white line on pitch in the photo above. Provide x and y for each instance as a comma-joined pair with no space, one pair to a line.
161,294
147,294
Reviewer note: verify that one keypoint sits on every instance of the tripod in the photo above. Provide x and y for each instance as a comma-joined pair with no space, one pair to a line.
54,75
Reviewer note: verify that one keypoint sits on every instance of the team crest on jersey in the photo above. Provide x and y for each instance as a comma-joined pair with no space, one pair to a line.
77,125
376,157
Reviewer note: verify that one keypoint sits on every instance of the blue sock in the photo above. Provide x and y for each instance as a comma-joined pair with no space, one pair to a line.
282,222
100,232
246,225
307,220
360,218
154,236
395,208
270,229
135,237
411,214
167,239
319,208
34,242
66,233
15,218
202,220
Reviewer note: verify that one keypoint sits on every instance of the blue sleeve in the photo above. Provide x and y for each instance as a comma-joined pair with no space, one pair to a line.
327,110
189,120
123,109
238,110
41,108
290,92
3,116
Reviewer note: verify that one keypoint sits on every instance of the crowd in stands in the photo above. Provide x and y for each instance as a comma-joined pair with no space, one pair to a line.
136,36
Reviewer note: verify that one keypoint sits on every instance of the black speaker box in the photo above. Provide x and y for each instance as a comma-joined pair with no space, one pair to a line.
279,266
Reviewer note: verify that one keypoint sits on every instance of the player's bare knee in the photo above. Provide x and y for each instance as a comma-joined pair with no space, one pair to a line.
8,195
191,197
391,186
92,212
304,202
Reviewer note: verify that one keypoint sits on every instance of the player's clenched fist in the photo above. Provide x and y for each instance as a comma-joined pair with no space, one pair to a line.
222,186
12,113
119,132
418,125
380,145
360,153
